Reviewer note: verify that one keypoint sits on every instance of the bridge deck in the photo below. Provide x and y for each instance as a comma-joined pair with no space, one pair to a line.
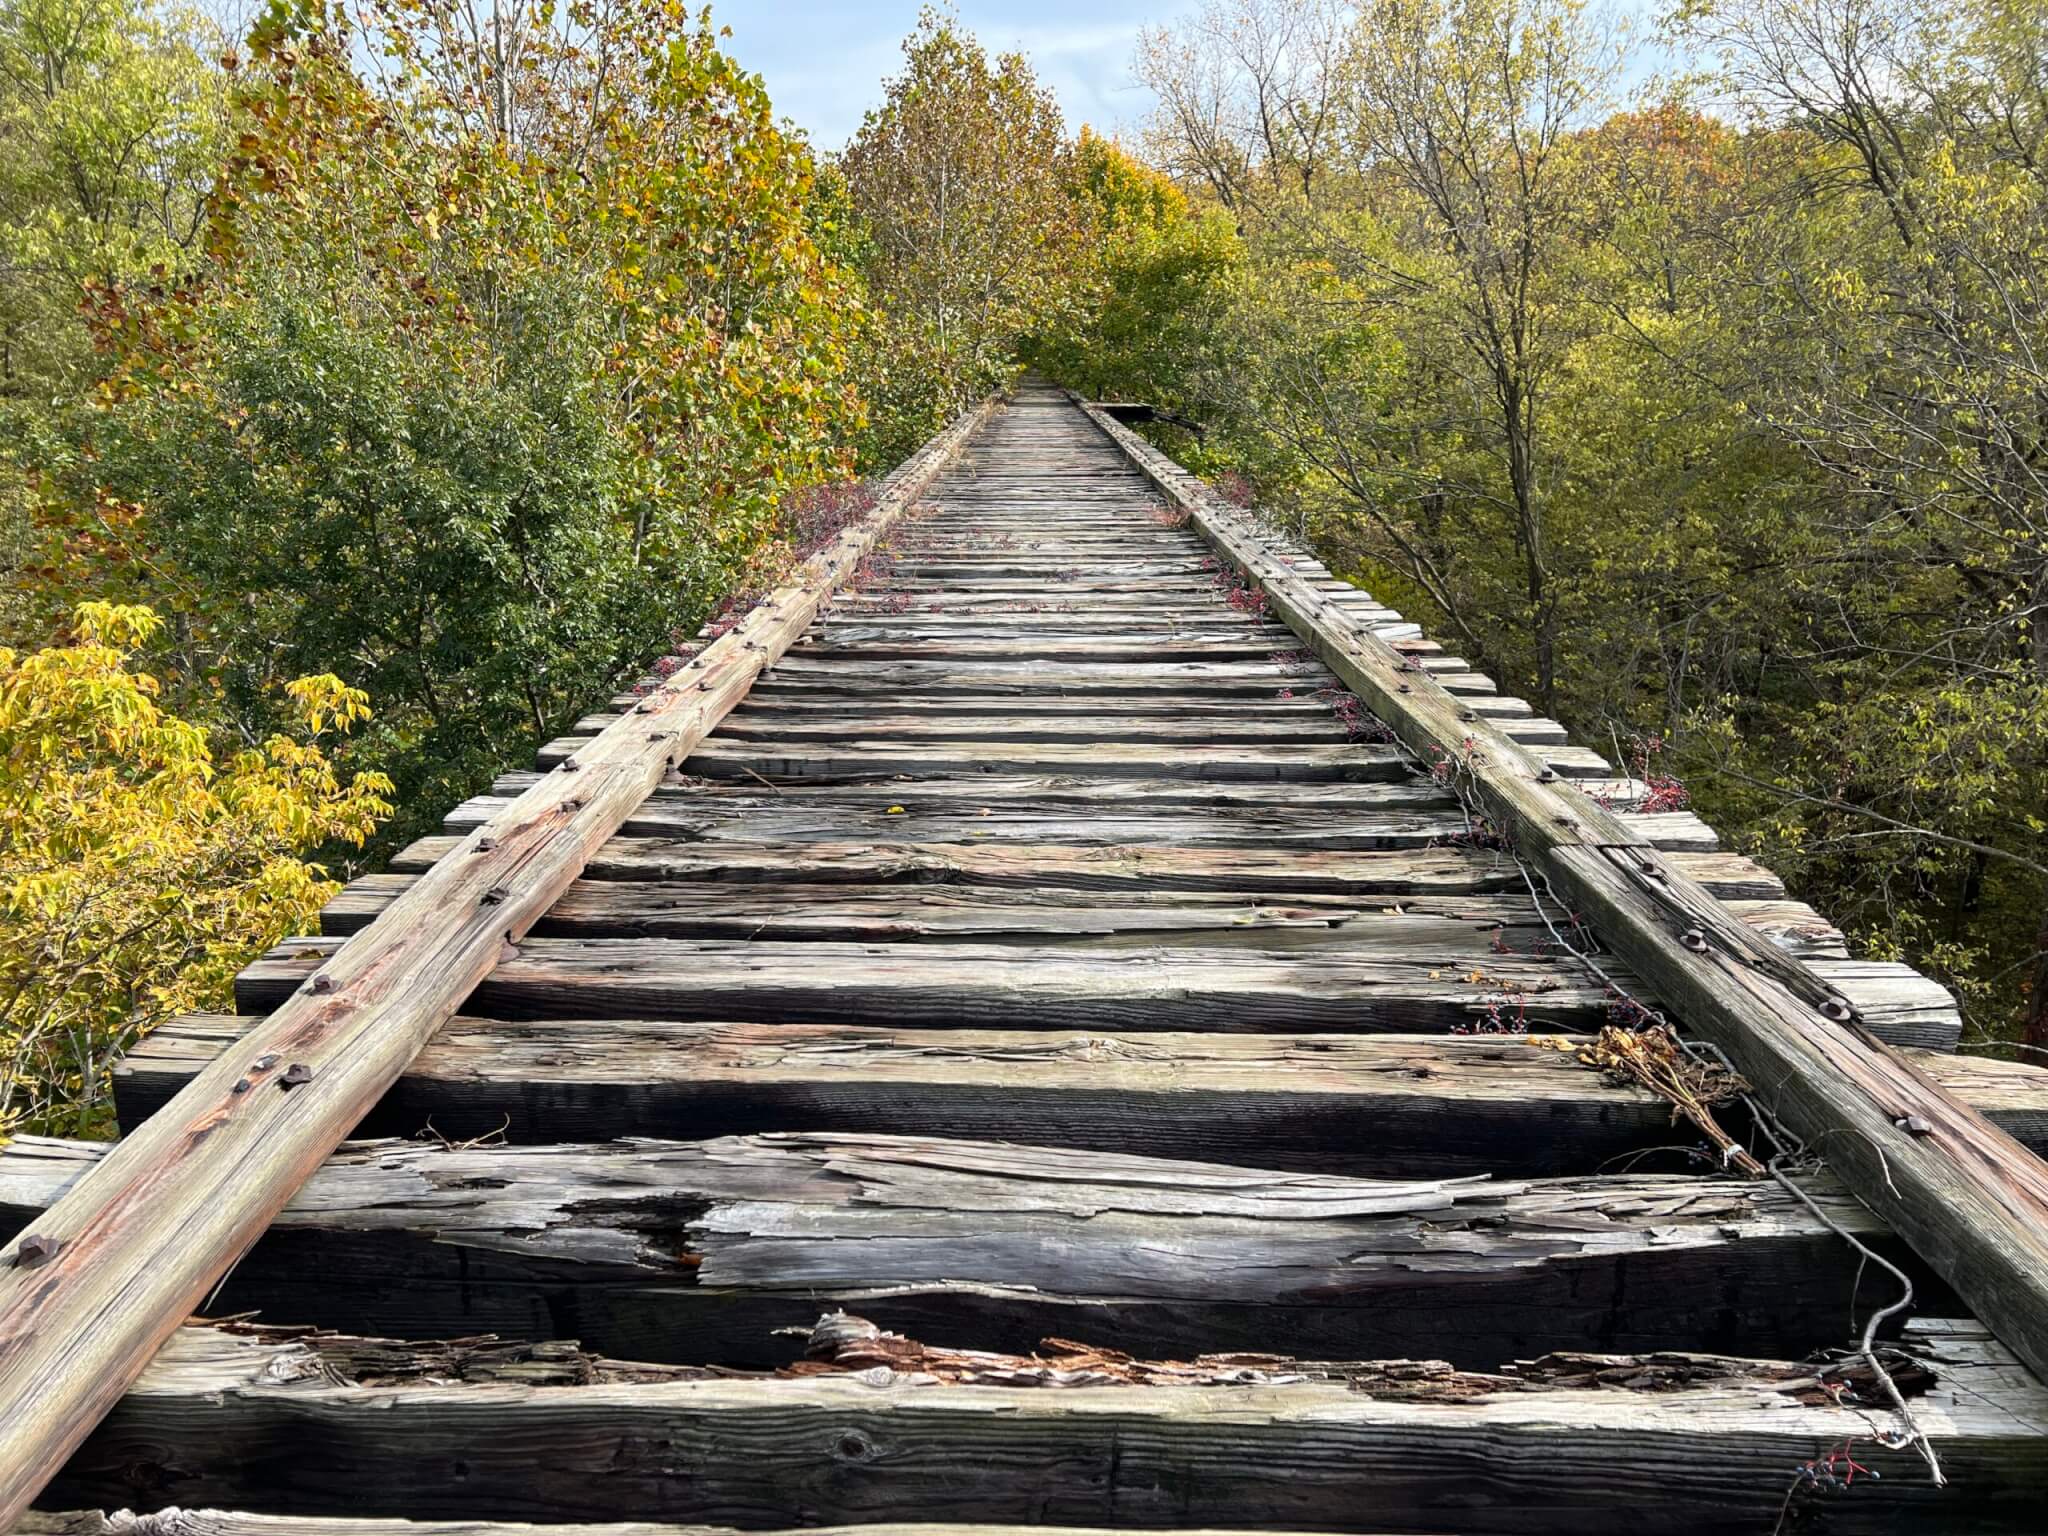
1047,949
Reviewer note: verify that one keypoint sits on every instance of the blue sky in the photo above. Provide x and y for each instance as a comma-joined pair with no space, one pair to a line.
825,60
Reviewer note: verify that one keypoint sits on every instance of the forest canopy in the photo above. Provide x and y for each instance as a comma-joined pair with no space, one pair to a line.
465,358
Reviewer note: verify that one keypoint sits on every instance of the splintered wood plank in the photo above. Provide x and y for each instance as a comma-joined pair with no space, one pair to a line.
332,1426
1431,1103
1371,988
707,1253
137,1244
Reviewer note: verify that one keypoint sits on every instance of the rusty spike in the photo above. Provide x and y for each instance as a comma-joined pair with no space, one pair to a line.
36,1250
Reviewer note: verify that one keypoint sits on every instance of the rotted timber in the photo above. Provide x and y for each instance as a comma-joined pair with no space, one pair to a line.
482,1431
711,1251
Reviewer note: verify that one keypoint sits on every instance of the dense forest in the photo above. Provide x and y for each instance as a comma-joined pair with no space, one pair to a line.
381,383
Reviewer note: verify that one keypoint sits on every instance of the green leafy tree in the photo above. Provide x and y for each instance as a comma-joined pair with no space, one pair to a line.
112,124
1152,284
138,870
960,181
500,362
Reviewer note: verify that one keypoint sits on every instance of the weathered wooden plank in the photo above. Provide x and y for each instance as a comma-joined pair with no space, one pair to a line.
1035,916
769,700
998,986
723,757
331,1426
798,818
1374,1105
707,1252
1046,916
1118,645
1246,726
138,1243
969,793
1284,872
1241,678
1408,986
1973,1201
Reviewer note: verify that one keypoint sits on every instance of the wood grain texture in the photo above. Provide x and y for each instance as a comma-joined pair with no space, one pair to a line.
707,1253
1405,816
1418,872
228,1418
144,1237
1409,985
1372,1105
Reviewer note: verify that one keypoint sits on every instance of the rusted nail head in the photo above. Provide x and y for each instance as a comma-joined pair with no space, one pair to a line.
485,844
570,765
294,1075
241,1085
36,1250
323,983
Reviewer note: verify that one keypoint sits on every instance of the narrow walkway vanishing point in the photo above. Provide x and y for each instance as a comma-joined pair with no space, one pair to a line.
1046,1058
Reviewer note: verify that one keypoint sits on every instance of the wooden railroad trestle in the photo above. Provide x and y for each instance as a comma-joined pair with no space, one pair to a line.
1030,945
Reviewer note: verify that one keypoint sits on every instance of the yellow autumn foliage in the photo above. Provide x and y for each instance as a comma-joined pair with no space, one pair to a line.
137,874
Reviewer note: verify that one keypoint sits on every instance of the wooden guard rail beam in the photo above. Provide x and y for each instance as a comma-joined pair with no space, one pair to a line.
1971,1201
134,1248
